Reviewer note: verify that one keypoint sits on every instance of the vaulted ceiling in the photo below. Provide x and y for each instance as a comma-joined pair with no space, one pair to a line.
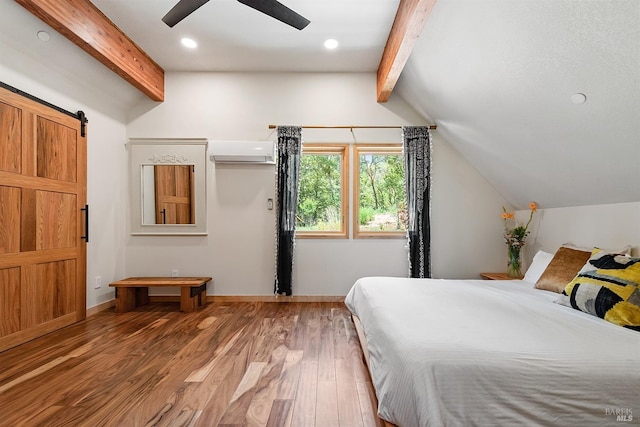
498,77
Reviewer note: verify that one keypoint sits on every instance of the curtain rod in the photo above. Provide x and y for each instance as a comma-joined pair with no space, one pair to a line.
432,127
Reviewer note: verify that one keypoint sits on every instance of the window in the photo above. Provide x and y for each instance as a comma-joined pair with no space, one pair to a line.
380,208
379,201
323,194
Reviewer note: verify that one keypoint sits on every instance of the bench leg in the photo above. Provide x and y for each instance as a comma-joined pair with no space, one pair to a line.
192,297
126,300
202,294
187,302
142,296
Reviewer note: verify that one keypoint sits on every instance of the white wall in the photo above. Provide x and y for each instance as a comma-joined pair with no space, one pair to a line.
606,226
106,155
238,252
467,227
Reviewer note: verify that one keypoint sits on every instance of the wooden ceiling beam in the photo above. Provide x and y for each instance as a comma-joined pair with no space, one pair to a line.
407,26
84,24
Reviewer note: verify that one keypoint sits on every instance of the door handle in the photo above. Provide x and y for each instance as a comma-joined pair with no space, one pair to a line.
86,223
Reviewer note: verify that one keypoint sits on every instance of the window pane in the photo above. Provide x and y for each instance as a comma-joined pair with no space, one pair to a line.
382,206
320,204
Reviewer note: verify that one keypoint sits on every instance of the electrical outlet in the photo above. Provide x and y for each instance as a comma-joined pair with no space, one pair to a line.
175,273
98,282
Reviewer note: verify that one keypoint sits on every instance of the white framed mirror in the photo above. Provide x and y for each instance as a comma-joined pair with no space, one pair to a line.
168,186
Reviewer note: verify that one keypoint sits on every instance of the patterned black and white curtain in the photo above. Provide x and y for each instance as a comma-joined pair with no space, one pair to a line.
288,174
417,162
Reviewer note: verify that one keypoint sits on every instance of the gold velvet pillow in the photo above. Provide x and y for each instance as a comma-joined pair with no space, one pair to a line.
564,266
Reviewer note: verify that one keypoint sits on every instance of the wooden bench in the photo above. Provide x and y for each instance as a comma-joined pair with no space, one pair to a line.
134,291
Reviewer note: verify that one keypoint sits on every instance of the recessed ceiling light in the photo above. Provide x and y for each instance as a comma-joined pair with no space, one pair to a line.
190,43
331,44
578,98
43,35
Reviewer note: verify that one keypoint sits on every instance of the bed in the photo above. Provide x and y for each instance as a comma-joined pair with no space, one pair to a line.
492,353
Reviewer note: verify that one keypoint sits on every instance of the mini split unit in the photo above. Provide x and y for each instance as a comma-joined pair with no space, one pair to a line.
257,152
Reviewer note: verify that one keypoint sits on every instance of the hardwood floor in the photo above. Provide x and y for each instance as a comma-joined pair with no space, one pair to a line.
229,364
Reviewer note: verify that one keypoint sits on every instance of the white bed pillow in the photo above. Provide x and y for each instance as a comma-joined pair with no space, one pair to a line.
540,262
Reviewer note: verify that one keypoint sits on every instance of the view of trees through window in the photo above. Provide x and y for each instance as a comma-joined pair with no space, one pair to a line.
382,206
320,204
379,206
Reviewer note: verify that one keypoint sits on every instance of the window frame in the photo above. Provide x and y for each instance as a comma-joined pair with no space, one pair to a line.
341,149
358,149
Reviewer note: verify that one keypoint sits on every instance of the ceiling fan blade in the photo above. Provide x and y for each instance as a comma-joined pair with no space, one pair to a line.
181,10
279,11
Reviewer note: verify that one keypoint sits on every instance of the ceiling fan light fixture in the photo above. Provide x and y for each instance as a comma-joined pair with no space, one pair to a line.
189,43
331,44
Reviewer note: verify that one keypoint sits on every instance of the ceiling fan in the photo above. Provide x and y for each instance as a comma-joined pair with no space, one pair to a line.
272,8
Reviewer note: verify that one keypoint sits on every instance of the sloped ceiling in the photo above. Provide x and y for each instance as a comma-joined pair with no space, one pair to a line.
85,79
497,76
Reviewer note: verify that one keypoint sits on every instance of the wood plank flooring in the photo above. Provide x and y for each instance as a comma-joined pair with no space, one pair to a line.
228,364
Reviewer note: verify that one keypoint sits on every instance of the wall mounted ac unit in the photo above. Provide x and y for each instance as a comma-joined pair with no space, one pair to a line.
261,152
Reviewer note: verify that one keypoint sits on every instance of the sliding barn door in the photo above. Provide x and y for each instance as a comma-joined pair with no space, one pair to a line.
174,187
42,192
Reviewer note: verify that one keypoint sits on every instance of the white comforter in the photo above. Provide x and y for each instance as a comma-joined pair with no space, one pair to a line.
493,353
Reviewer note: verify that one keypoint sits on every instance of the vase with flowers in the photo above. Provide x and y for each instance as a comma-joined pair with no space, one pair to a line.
514,237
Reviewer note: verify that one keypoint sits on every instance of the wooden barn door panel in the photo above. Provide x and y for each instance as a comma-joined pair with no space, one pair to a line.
50,295
9,219
42,254
9,301
11,137
56,151
55,221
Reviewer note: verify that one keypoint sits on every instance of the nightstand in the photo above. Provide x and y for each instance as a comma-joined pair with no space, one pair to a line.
498,276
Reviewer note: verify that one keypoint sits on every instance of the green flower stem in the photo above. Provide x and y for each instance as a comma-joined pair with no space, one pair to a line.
514,265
